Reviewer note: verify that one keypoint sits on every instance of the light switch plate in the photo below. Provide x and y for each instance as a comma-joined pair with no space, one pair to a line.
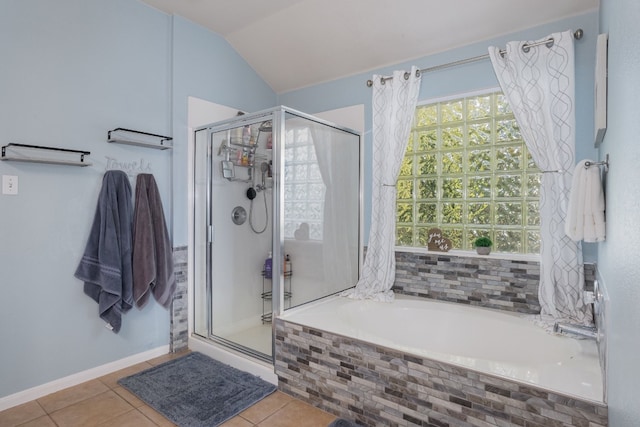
9,185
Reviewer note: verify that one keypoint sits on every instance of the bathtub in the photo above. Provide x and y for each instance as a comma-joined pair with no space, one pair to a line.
495,351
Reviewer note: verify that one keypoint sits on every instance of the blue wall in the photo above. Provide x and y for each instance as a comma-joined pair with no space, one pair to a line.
205,66
458,80
619,257
72,70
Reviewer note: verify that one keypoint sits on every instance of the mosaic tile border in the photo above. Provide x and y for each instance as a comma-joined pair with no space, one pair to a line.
378,386
503,284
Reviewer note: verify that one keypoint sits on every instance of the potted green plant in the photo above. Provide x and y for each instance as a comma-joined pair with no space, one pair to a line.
483,245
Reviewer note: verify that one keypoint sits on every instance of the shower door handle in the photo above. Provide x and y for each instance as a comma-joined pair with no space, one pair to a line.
210,234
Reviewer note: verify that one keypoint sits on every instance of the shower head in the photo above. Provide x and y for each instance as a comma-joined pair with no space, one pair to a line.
264,168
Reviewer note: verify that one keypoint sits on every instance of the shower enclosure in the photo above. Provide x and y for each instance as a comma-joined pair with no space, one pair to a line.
277,221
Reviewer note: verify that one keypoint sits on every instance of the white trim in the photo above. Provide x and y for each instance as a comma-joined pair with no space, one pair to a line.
600,90
190,230
78,378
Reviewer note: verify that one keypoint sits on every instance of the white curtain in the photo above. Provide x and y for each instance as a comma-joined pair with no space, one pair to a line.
393,104
337,153
539,85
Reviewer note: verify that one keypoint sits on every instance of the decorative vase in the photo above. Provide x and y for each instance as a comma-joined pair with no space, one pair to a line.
483,250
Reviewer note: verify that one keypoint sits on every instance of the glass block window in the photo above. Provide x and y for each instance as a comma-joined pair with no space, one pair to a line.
304,190
468,172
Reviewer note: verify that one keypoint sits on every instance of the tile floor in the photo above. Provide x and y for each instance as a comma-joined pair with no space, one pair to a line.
102,402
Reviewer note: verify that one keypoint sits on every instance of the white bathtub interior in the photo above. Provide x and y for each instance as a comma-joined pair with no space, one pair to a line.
496,342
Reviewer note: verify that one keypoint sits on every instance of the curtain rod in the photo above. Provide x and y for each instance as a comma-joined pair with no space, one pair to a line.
548,42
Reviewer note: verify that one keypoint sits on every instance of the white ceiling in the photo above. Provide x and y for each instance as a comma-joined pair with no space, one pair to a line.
296,43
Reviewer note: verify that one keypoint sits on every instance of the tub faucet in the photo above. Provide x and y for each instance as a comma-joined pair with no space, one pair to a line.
590,332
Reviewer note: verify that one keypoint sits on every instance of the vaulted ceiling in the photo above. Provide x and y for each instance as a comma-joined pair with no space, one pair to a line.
296,43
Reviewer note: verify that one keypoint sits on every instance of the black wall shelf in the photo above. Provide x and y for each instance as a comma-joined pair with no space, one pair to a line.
41,154
143,139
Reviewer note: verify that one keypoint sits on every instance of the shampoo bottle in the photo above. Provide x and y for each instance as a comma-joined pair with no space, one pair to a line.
287,264
268,265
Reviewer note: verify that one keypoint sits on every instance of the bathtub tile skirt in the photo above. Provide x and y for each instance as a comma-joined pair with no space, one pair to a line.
375,385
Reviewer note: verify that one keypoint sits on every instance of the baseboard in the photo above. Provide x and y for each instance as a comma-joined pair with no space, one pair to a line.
75,379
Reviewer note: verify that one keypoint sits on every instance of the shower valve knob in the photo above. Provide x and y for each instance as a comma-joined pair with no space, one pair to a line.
238,215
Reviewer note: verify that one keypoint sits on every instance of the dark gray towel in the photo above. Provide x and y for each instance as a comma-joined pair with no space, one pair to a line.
152,250
105,266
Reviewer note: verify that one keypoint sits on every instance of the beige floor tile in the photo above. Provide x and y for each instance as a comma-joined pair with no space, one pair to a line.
237,422
111,380
131,398
104,403
92,411
266,407
133,418
21,414
45,421
298,414
168,357
155,416
71,395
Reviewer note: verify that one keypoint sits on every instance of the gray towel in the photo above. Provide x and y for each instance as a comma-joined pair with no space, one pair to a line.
105,266
152,250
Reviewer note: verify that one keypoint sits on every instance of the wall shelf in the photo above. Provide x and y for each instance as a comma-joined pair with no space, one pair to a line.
143,139
40,154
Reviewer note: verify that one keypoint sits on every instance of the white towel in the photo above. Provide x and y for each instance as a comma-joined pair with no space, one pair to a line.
585,214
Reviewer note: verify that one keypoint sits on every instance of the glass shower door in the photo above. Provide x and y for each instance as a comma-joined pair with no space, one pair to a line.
233,213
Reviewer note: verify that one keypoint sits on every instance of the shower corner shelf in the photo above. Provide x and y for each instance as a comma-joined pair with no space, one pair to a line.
233,153
41,154
268,295
142,139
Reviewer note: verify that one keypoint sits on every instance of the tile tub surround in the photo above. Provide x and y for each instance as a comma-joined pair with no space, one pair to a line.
491,282
380,386
179,328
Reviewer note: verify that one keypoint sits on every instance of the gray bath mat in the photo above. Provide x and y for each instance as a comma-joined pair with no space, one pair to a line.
197,391
341,422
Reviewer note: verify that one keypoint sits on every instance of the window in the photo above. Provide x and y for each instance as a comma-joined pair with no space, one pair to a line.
304,189
468,172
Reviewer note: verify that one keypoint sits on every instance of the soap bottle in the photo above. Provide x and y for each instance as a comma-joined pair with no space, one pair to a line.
268,265
246,135
287,265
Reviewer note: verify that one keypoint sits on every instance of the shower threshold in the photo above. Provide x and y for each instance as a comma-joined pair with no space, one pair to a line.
237,356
